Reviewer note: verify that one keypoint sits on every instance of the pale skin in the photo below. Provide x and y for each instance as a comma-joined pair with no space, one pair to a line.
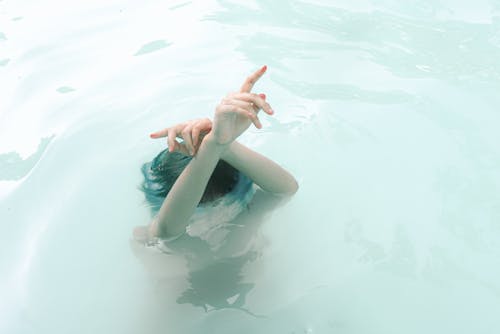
208,142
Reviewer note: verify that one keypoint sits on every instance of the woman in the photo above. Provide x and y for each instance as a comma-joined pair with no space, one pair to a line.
209,165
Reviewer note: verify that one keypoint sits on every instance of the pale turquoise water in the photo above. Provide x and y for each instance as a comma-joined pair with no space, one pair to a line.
386,111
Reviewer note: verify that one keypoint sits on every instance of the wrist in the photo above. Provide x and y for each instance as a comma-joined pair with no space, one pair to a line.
229,151
210,141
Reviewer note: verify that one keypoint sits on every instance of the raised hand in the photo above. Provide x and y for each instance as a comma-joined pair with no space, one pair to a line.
192,132
232,117
237,111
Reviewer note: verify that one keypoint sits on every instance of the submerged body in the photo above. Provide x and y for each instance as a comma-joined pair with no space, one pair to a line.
212,256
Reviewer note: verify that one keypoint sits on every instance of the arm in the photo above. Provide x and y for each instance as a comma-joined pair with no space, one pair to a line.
188,189
264,172
232,117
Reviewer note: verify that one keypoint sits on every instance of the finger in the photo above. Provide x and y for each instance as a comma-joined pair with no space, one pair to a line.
262,96
245,113
250,106
252,79
256,99
186,135
195,134
255,107
171,139
159,134
202,127
255,119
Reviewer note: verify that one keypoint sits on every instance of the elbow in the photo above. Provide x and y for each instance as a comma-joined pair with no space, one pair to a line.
291,188
294,187
285,189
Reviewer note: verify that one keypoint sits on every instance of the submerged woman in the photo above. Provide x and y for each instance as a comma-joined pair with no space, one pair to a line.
209,169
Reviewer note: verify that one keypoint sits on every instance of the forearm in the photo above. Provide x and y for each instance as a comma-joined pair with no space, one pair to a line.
264,172
188,189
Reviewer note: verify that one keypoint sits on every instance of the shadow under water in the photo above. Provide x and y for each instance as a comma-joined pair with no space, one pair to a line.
214,271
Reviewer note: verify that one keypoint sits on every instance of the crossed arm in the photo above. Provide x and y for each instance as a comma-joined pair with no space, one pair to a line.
232,117
187,191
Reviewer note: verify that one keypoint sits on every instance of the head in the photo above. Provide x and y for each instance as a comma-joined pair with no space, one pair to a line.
161,174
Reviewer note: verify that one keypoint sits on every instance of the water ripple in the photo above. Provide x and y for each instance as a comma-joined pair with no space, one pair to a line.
152,47
13,167
411,47
343,92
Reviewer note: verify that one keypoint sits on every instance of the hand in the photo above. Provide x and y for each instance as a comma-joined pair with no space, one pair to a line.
237,111
192,133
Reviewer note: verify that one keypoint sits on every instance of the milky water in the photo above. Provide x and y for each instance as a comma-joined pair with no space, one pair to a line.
386,113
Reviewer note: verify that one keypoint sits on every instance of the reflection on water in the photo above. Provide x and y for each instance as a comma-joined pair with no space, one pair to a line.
214,273
219,285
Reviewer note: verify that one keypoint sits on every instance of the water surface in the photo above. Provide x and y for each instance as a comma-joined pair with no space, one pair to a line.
386,112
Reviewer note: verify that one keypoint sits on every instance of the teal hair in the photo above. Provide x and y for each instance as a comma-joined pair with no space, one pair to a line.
161,173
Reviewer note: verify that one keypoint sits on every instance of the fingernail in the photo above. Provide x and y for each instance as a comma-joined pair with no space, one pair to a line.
262,95
264,68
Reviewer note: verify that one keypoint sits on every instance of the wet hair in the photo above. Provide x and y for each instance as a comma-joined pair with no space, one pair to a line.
161,173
